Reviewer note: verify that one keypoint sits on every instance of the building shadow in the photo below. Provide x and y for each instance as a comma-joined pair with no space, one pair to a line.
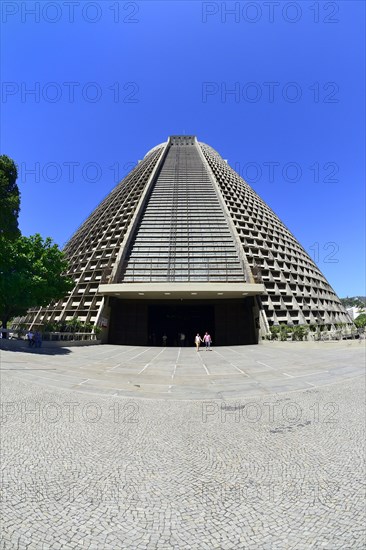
44,350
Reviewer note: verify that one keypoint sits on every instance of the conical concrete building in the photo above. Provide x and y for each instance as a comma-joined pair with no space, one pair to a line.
184,245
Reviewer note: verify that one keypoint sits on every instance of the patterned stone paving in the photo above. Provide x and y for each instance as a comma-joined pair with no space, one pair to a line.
267,458
182,373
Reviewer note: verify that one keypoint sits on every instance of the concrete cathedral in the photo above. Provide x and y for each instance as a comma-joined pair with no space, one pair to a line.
184,245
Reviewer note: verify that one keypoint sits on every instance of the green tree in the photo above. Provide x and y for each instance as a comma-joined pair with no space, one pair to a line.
355,301
31,274
299,332
360,321
9,199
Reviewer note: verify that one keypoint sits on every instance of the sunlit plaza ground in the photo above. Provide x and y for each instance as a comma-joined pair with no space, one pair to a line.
109,447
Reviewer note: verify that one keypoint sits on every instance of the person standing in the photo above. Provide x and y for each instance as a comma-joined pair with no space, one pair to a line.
30,338
198,341
37,339
165,339
182,338
207,340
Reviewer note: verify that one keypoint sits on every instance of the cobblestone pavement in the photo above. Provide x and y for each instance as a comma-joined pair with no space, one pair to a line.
247,468
181,373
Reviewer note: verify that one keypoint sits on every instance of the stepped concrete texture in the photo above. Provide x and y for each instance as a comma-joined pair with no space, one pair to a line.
247,447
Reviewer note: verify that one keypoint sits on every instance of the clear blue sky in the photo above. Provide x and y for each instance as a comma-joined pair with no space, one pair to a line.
112,79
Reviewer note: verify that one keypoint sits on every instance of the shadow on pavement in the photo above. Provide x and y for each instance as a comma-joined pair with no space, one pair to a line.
44,350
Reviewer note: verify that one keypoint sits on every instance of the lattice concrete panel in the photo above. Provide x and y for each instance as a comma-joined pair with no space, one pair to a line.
298,292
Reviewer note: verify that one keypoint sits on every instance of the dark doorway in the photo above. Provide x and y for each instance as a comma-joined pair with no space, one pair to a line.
144,322
174,319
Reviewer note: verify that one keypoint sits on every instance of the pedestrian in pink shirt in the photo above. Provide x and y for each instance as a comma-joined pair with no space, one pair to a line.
208,341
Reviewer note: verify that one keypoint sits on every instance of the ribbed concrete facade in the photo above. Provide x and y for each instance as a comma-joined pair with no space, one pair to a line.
296,290
182,232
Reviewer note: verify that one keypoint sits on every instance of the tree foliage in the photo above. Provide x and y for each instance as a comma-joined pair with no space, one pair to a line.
9,199
31,268
360,321
72,326
31,274
354,301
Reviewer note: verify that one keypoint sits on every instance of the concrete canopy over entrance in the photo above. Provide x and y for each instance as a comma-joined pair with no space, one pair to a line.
191,290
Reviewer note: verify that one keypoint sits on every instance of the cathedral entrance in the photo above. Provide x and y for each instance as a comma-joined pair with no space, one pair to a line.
145,322
174,319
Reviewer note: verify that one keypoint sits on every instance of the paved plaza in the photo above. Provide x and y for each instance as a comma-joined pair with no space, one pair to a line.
121,447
